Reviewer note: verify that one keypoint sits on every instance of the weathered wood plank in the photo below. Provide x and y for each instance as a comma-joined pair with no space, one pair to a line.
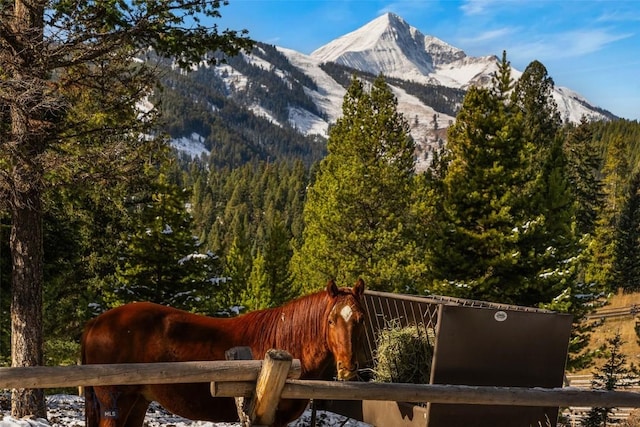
269,386
133,373
438,393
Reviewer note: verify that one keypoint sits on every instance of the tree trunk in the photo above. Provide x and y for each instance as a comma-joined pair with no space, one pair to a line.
26,303
27,141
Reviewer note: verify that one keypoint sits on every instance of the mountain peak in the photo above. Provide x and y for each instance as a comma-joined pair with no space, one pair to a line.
364,38
389,45
388,19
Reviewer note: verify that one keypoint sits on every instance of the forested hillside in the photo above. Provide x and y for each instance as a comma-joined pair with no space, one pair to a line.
200,102
443,99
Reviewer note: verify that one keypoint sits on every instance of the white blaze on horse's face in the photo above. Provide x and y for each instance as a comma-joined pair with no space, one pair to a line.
345,330
346,312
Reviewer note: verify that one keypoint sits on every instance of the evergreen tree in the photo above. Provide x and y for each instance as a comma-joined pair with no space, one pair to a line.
550,248
614,374
258,294
506,209
553,269
268,283
238,263
80,252
548,243
502,83
584,162
618,143
427,200
358,211
87,203
277,254
602,250
256,208
476,249
626,261
533,96
161,262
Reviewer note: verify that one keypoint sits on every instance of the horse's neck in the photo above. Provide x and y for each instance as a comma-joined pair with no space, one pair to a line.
296,329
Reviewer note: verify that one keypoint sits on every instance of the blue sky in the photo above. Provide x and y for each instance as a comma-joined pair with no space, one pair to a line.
590,46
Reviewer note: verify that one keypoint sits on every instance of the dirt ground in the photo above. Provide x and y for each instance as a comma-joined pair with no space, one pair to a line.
624,325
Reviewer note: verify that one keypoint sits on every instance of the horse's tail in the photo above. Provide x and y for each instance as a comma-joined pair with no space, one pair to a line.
91,415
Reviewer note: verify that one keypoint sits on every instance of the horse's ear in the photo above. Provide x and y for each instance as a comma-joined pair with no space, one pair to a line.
358,288
332,289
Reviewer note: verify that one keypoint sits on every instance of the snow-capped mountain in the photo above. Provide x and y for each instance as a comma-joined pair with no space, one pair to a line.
303,93
391,46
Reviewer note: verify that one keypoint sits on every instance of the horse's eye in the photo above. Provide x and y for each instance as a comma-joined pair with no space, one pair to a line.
331,322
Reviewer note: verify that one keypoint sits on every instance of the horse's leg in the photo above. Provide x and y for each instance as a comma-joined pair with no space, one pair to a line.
137,413
288,411
114,405
91,412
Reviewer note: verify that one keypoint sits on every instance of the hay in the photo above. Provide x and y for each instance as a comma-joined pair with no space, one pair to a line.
404,354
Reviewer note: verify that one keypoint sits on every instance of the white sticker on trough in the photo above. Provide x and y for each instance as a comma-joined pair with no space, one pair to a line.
346,313
500,316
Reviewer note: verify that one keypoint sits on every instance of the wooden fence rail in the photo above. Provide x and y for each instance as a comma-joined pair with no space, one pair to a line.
608,312
440,393
238,378
134,373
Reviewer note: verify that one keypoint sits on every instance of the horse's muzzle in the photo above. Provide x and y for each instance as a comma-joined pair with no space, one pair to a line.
345,373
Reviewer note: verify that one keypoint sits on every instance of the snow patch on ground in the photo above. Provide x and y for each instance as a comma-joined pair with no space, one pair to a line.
68,411
307,123
192,145
329,95
233,79
260,111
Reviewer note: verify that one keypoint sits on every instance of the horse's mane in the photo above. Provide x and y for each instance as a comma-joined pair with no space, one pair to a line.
298,326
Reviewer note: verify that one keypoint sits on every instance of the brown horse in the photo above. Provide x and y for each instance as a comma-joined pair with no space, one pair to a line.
318,329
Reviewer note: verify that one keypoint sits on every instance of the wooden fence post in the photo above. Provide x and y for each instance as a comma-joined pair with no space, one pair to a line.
260,409
269,386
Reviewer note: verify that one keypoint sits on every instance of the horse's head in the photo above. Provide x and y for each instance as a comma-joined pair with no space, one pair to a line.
345,329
